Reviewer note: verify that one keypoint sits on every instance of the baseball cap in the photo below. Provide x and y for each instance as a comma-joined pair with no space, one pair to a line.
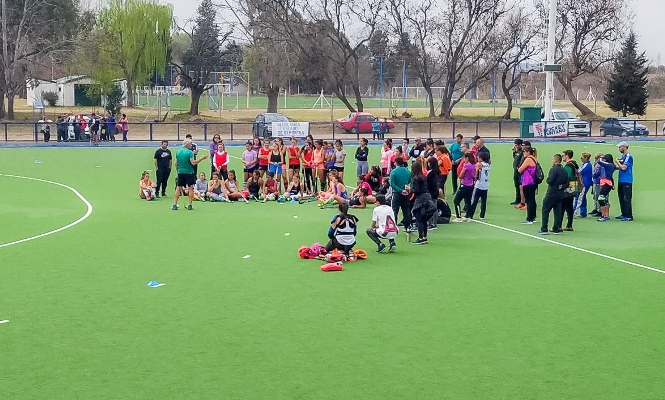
622,144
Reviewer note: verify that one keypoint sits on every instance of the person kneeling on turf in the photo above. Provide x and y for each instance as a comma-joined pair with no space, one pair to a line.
342,231
147,187
383,225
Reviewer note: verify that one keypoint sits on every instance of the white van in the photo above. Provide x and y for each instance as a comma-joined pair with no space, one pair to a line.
571,124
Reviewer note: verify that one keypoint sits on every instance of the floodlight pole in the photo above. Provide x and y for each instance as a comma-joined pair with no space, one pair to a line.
549,75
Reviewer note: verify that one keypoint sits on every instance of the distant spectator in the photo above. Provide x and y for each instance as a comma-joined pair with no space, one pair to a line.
110,127
124,123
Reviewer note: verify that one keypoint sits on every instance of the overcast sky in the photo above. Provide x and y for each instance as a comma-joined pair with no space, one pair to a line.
649,22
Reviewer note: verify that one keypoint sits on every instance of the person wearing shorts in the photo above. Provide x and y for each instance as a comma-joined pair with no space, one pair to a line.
294,158
264,157
184,163
276,162
340,157
249,161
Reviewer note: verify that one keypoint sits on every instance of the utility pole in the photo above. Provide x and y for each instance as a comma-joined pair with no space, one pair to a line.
549,67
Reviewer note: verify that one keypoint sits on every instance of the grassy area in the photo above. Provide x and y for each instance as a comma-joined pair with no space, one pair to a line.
486,310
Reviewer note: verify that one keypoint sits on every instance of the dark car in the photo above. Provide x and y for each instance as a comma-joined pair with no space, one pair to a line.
263,123
622,126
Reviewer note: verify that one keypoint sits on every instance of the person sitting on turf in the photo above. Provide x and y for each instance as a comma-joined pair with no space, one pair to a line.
147,187
233,189
342,231
216,189
373,178
255,185
337,191
201,187
294,191
361,183
270,191
383,225
360,200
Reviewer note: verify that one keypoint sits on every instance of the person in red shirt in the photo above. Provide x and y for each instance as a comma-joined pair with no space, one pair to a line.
264,157
398,154
221,161
294,158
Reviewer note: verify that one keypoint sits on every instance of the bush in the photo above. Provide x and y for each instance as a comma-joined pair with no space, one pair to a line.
51,98
114,100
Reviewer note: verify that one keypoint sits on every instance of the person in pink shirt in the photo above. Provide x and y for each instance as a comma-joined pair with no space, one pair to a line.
250,159
386,156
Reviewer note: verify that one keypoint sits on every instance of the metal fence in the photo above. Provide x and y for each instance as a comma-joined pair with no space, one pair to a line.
242,131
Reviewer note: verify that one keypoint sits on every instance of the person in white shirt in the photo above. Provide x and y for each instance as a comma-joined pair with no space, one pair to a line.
383,225
480,187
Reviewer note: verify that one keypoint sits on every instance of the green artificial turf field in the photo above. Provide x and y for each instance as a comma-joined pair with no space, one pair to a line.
480,312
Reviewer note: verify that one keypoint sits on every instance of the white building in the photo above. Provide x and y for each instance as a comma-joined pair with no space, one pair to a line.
71,90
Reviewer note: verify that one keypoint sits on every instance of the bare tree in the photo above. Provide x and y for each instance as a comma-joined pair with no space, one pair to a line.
269,56
30,29
417,20
469,46
586,34
520,38
342,28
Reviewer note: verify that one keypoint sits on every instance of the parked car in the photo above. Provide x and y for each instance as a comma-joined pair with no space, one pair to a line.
574,125
622,126
361,122
263,123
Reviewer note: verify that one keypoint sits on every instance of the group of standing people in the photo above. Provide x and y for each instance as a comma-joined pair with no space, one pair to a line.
88,127
568,184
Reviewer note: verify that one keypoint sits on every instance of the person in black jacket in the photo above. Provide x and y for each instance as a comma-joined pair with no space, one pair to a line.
517,161
423,208
557,182
433,176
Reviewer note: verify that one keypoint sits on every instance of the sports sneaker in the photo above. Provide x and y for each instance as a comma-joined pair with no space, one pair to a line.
392,247
459,219
626,219
543,232
174,208
603,219
163,194
432,227
527,222
514,203
482,218
157,195
568,229
189,207
381,248
419,241
619,217
555,231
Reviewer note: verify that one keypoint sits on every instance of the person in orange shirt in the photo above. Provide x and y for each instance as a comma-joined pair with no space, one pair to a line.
147,187
445,166
318,158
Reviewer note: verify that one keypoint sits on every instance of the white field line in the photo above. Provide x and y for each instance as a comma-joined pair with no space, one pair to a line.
78,221
595,253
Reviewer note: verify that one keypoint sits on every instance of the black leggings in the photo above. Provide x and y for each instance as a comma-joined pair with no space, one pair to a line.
309,180
530,199
421,222
463,193
478,195
567,208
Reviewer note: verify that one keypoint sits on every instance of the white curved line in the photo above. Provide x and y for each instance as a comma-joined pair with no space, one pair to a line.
78,221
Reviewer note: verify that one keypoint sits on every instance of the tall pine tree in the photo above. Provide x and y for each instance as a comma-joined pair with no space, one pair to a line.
626,90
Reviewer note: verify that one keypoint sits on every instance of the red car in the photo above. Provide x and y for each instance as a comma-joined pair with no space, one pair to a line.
362,122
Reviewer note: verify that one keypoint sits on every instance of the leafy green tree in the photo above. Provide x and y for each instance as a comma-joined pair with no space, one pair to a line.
137,34
626,90
114,99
